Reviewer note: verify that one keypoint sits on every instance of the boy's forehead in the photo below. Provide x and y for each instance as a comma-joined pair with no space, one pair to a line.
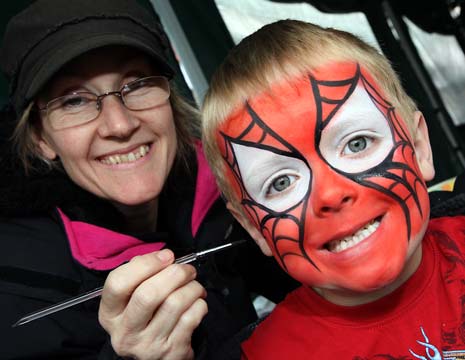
294,99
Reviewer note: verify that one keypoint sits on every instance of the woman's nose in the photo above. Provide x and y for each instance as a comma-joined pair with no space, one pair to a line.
331,193
115,119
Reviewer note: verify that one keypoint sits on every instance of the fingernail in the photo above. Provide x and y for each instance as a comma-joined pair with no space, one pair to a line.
165,255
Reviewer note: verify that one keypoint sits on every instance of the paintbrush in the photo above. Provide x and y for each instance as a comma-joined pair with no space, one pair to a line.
98,291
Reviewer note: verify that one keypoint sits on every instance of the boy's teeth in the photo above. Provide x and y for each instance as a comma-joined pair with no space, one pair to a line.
349,241
126,158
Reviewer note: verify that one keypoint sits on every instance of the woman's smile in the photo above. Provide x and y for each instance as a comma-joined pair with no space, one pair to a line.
125,157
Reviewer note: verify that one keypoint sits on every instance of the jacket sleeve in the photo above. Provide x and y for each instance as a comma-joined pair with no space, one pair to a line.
35,272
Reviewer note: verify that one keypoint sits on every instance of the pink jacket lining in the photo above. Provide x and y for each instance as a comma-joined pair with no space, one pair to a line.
101,249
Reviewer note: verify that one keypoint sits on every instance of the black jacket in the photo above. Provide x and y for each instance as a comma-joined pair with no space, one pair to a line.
37,268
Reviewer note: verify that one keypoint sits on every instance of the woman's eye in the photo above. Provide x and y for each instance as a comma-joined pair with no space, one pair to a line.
356,145
280,184
74,101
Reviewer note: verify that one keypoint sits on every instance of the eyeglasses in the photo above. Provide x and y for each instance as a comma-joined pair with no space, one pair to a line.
82,107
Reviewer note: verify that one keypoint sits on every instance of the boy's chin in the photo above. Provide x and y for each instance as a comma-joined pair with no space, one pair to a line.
375,283
358,291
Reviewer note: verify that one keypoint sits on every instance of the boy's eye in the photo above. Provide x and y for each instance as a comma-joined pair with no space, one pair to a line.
356,145
280,184
358,137
272,179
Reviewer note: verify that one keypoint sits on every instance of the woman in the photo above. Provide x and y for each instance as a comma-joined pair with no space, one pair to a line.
114,176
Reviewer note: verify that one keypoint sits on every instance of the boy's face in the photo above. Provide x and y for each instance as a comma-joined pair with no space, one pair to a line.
327,172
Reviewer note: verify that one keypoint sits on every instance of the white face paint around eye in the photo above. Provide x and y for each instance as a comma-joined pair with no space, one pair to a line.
358,137
275,181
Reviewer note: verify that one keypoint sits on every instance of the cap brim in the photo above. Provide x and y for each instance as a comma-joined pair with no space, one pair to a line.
68,42
67,52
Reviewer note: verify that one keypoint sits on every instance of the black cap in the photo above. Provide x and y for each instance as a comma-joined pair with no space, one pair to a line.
49,33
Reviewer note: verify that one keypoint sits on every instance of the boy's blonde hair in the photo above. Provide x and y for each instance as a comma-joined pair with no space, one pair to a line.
279,51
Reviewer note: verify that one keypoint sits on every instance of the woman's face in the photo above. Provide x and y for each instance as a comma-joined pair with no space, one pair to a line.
123,156
327,172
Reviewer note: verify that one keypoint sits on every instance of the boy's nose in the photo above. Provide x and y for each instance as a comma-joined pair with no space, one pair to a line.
331,193
115,119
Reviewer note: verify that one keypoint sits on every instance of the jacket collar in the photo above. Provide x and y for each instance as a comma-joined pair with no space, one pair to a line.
98,248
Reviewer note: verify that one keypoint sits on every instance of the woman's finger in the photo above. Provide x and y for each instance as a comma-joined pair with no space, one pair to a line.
182,333
182,310
150,296
121,282
174,307
177,345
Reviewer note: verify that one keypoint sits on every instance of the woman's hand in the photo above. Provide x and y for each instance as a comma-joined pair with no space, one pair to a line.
150,307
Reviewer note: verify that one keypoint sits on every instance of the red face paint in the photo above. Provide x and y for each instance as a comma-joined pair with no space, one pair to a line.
326,170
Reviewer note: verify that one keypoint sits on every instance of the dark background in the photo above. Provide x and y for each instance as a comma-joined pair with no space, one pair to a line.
210,41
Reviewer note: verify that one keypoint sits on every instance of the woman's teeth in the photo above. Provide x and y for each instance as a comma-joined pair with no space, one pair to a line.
126,158
336,246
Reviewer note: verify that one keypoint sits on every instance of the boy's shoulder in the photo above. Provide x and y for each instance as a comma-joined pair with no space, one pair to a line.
448,232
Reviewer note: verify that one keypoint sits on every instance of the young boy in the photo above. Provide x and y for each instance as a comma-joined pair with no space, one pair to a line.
323,158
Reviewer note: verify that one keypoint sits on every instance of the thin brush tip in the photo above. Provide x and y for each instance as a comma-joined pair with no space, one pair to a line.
17,323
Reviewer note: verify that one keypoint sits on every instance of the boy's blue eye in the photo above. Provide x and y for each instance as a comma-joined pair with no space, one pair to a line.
356,145
280,184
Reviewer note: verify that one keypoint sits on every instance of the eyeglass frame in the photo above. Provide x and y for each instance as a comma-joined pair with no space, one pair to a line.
100,97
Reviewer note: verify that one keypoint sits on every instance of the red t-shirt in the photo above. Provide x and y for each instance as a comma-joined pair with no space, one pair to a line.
424,318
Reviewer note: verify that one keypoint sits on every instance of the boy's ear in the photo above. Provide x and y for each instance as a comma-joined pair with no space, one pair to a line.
252,230
422,146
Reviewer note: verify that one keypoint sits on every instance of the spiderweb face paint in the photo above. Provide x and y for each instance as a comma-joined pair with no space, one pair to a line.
326,170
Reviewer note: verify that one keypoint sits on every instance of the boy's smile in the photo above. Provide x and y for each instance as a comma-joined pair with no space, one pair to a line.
327,172
350,241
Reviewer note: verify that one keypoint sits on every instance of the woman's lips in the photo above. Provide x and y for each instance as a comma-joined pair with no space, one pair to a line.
125,158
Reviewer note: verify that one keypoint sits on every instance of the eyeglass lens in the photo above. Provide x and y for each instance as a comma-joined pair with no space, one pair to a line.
82,107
